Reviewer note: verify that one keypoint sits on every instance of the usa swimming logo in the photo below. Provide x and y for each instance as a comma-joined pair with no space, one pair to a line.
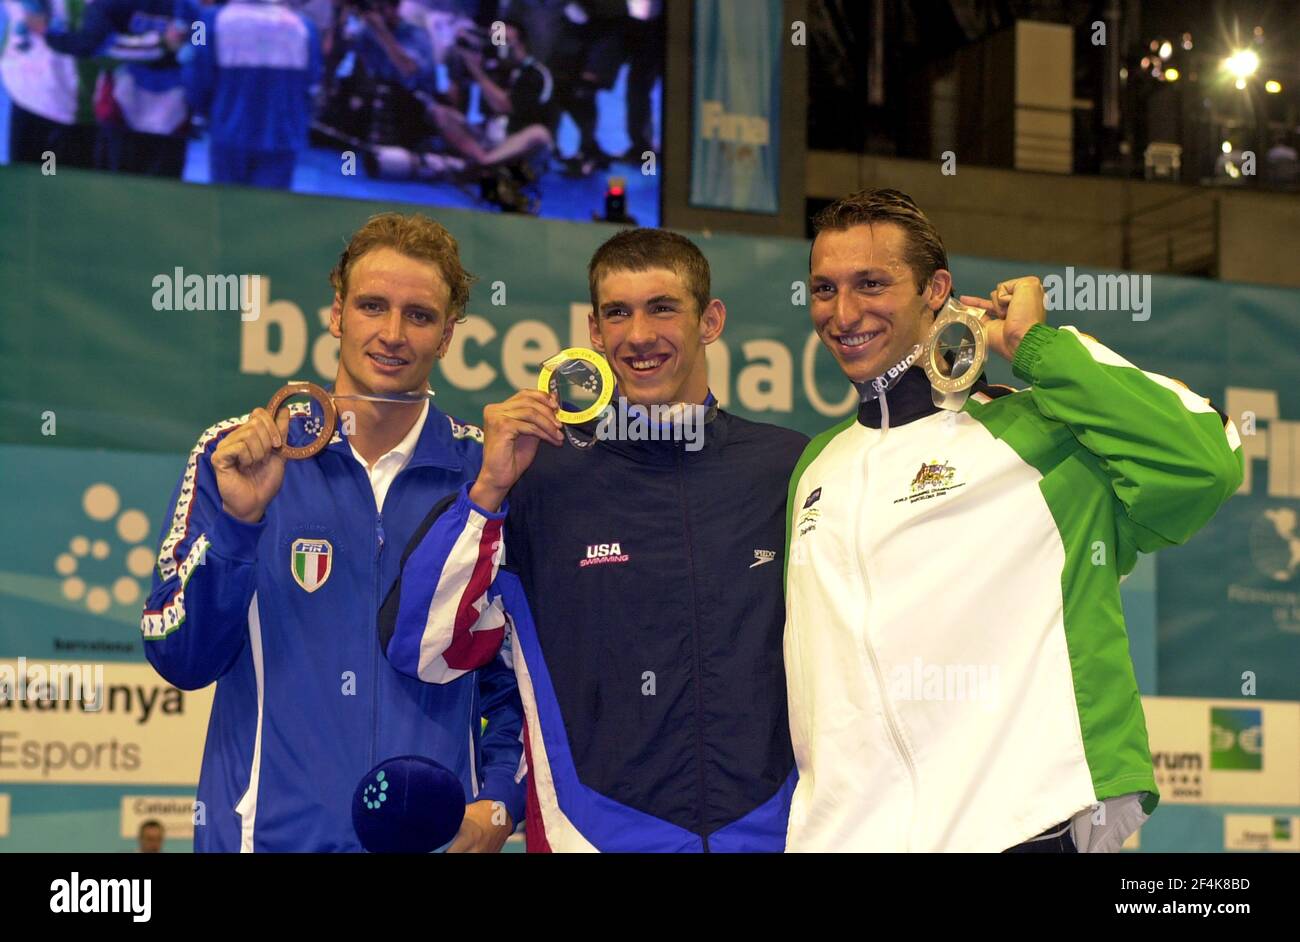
598,554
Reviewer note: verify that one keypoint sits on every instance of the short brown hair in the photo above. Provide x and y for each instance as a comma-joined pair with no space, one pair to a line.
643,249
925,252
414,235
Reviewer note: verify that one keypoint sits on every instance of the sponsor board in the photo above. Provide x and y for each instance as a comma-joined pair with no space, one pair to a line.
144,731
1261,832
174,812
1225,752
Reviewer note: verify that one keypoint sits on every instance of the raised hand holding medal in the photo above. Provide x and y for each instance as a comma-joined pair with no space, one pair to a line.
249,462
1010,311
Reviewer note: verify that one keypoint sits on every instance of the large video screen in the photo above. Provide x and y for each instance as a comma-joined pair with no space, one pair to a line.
547,107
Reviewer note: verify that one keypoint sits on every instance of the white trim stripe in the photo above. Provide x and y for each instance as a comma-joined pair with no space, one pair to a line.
161,623
473,760
453,584
246,808
561,835
465,430
167,561
1108,357
1190,400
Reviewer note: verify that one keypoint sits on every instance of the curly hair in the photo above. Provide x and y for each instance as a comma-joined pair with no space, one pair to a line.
414,235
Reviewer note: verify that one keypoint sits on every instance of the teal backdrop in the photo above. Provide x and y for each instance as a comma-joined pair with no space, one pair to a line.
100,388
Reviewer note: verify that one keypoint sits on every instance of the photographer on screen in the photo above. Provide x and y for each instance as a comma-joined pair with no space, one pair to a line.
517,92
393,49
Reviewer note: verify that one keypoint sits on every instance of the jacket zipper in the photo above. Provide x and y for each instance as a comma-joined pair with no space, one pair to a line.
695,638
890,721
374,634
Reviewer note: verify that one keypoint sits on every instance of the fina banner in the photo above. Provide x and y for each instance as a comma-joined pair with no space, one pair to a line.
737,100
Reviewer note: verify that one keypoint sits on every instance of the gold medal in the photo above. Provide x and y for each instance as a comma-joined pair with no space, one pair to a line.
571,361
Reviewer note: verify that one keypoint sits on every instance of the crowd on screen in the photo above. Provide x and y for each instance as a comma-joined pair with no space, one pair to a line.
417,89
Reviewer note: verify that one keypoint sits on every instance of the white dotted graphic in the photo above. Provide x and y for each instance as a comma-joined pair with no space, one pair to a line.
97,600
126,590
133,526
101,502
139,561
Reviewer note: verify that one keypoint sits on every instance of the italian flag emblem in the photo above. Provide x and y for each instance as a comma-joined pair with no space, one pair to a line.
311,562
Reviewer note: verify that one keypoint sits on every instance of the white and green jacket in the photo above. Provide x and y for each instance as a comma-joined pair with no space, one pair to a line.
957,664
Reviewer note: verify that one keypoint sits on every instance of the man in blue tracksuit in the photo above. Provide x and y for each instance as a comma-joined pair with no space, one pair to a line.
641,579
270,573
253,78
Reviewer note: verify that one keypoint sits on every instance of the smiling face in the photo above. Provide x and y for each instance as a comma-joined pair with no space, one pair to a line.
865,305
392,325
647,325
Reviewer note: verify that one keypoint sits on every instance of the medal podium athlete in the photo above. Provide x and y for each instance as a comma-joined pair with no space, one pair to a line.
643,581
956,653
270,574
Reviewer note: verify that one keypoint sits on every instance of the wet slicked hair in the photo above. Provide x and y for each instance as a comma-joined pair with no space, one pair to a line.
414,235
925,253
643,249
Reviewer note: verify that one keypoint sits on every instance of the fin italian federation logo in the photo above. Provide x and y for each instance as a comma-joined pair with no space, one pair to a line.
311,562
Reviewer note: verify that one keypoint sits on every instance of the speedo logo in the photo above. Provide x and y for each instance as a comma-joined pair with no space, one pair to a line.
762,556
600,553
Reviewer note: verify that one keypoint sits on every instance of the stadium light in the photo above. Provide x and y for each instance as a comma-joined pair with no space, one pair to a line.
1242,64
1272,86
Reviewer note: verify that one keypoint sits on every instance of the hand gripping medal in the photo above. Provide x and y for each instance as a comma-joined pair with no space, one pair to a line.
586,369
325,426
953,355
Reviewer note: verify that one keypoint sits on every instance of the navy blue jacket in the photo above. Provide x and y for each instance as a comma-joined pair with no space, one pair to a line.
641,587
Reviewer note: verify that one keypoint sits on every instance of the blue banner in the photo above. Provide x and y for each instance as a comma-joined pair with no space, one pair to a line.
737,105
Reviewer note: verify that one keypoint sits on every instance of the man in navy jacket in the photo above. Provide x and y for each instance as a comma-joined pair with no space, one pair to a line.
639,579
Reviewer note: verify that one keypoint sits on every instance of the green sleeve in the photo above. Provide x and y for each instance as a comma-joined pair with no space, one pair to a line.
1171,458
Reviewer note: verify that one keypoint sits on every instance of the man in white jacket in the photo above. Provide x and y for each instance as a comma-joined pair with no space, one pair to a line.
956,657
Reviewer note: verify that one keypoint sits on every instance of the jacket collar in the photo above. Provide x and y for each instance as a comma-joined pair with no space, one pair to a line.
664,451
909,399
